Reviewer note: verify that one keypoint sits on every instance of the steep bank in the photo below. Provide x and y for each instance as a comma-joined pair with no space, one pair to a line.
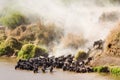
111,52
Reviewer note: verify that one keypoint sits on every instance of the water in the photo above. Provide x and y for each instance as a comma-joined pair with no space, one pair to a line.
7,72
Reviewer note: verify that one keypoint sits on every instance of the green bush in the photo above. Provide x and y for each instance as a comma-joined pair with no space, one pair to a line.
6,50
115,70
12,20
29,51
2,38
13,43
80,55
101,69
9,46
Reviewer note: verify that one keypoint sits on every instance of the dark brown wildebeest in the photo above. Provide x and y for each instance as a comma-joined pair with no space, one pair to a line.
98,44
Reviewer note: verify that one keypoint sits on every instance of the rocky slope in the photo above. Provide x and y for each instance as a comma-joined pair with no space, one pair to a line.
110,54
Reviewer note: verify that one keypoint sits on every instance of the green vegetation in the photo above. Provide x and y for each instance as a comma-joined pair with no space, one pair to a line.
38,33
2,38
9,46
29,51
80,55
115,71
12,20
112,70
101,69
13,43
5,49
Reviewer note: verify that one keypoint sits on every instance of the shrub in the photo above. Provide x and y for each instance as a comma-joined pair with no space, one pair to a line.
9,46
41,34
2,38
2,51
101,69
80,55
17,32
13,43
12,20
115,71
6,50
29,51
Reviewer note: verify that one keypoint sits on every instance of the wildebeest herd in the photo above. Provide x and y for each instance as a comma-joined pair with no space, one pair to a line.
49,63
67,63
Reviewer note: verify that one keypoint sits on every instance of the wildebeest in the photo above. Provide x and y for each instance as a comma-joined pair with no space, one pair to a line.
98,44
67,63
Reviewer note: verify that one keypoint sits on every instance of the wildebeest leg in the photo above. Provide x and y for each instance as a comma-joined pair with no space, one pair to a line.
35,70
64,68
16,66
43,69
51,68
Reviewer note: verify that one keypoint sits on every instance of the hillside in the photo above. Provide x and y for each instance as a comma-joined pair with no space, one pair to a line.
111,51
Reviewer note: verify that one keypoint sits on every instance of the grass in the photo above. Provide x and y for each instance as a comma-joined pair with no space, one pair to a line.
113,70
13,43
80,55
2,38
9,46
101,69
6,50
38,33
13,19
29,51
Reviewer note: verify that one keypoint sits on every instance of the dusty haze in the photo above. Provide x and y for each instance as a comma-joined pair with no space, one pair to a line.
84,17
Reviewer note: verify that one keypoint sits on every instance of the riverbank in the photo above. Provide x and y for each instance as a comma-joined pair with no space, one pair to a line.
8,72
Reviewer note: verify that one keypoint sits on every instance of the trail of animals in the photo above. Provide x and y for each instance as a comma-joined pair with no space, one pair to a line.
49,63
67,63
